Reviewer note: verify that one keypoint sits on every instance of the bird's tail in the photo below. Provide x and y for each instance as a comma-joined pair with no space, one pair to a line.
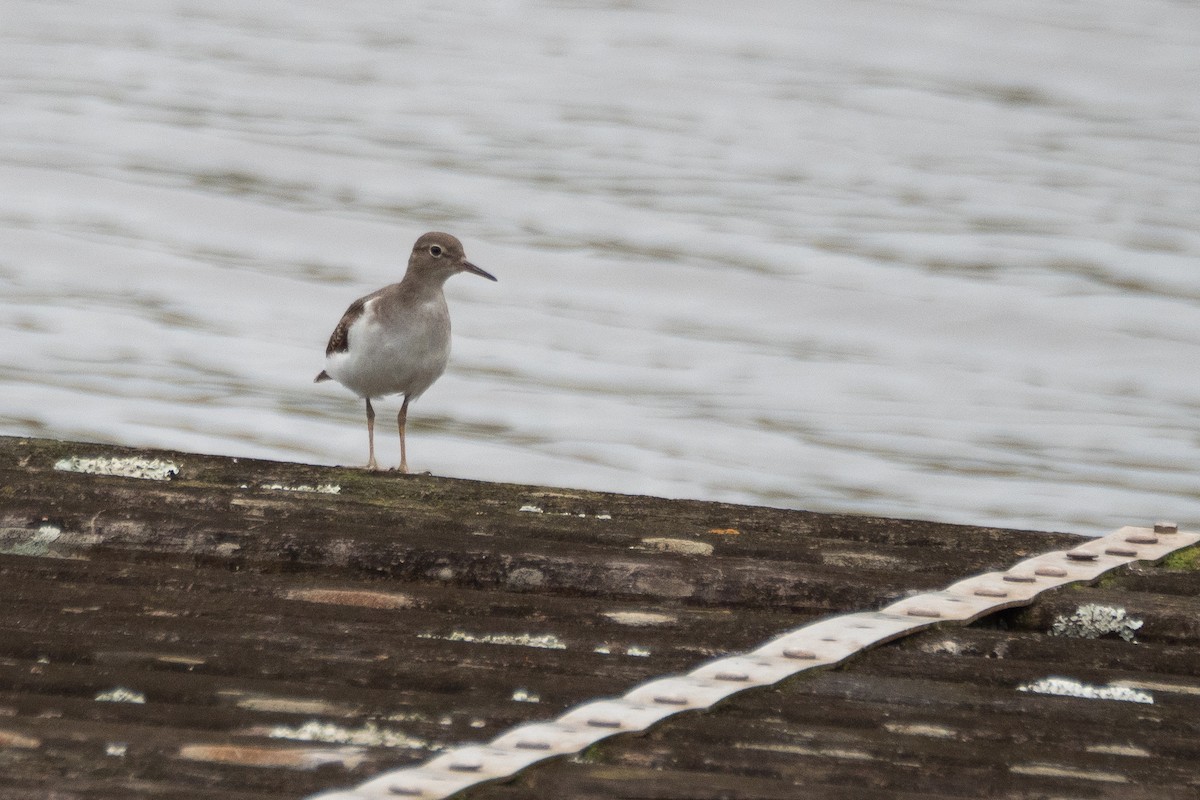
324,376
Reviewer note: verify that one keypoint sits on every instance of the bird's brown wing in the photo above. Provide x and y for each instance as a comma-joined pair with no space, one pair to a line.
339,340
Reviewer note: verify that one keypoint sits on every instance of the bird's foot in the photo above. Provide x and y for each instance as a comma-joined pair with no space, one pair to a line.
372,466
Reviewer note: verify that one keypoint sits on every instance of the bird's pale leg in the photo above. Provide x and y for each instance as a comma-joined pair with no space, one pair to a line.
401,418
371,435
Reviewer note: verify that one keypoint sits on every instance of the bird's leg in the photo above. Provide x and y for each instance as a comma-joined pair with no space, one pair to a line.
371,435
400,420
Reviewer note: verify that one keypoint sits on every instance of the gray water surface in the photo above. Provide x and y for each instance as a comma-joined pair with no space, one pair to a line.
925,259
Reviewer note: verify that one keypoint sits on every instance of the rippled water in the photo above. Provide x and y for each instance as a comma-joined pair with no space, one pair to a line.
923,259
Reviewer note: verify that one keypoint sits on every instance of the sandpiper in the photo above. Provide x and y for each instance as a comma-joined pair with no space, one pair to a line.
397,340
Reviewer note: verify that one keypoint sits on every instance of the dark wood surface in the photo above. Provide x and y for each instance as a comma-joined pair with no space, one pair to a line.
430,612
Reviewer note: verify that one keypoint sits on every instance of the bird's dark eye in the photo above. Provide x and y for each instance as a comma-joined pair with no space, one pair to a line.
435,251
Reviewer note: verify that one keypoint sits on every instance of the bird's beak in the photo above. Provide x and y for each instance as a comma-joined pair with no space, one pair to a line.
467,266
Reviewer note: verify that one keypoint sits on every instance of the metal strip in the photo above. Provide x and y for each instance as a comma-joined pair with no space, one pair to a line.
818,644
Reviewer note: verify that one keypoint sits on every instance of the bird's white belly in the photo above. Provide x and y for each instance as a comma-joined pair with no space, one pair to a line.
404,358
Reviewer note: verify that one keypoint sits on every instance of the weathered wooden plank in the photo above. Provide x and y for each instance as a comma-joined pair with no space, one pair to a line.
408,613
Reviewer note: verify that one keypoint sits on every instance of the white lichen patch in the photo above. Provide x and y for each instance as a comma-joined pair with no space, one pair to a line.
26,542
45,541
369,735
120,695
321,488
544,641
532,509
116,749
632,651
1092,621
152,469
414,716
526,696
47,533
861,560
1068,687
945,647
526,578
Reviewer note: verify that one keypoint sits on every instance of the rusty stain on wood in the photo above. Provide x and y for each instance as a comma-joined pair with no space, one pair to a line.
689,547
17,740
290,757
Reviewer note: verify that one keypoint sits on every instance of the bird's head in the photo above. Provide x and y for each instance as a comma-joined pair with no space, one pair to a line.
441,255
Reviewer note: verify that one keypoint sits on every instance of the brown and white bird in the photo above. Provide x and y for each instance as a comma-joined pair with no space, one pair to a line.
397,340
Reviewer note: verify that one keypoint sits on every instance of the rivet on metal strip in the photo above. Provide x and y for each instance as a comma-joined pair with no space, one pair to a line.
731,675
799,654
923,611
604,722
671,699
467,763
1051,572
989,591
403,790
1019,577
1142,538
532,744
1123,552
1081,555
1166,526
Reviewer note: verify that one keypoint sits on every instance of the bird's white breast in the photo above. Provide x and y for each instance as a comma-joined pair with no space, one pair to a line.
394,354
